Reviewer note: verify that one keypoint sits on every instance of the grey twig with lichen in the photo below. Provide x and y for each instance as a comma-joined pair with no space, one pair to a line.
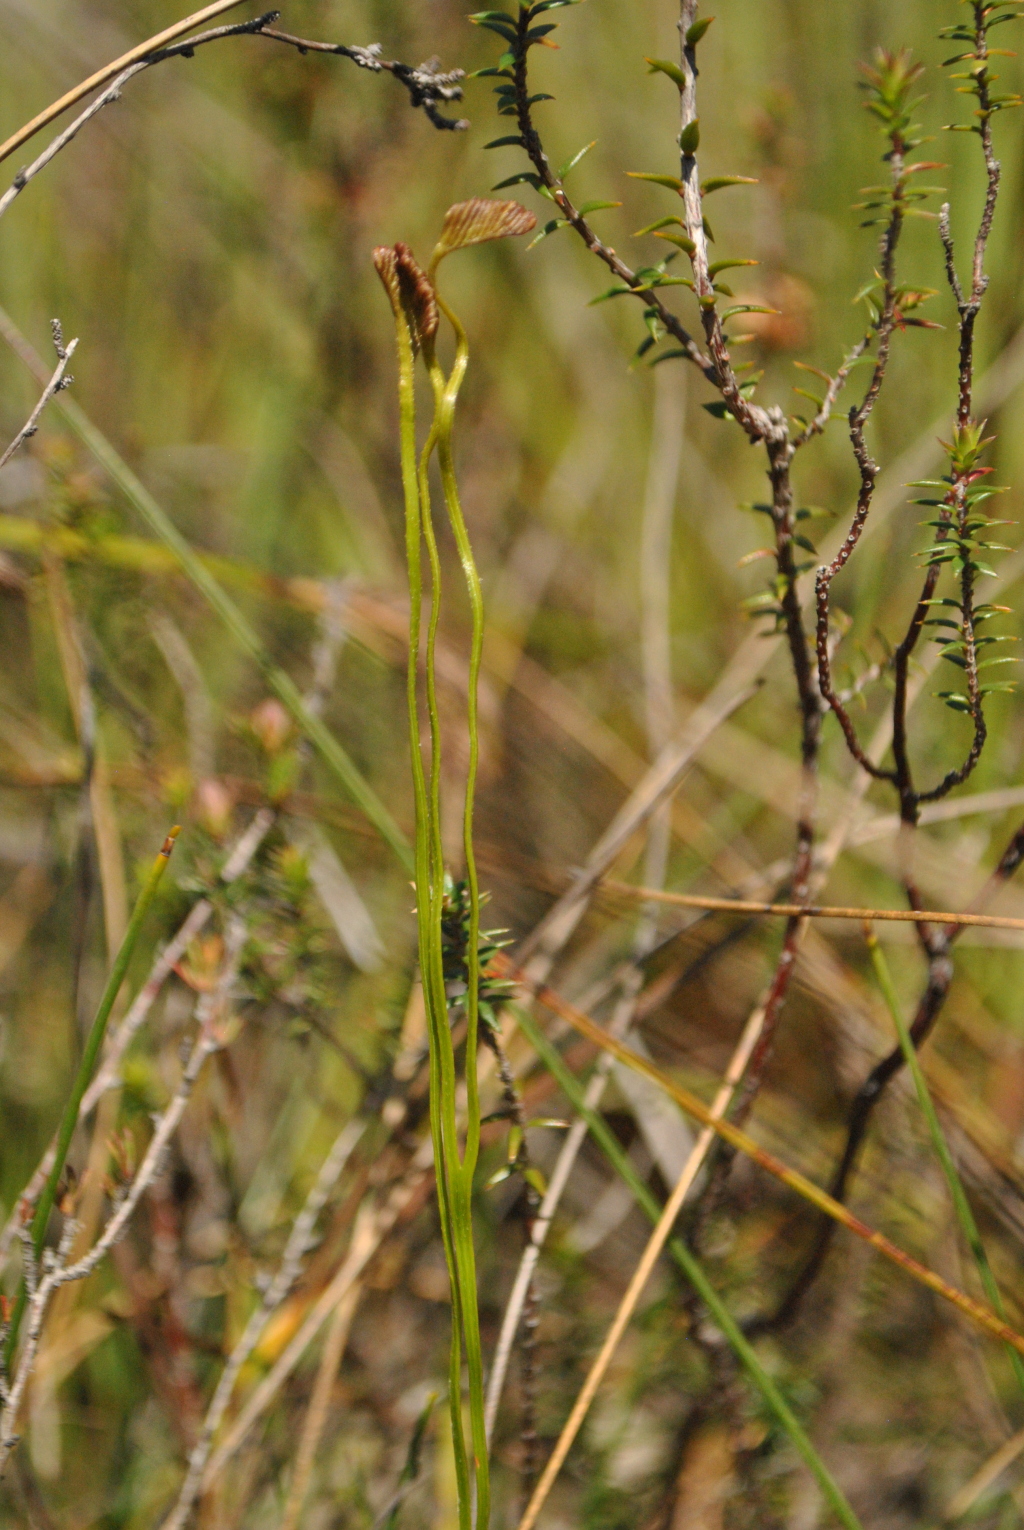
58,382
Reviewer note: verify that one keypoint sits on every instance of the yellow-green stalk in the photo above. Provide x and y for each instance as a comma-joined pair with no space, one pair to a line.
445,395
415,322
416,308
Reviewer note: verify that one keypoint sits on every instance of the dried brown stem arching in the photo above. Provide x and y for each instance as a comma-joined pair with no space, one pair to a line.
427,85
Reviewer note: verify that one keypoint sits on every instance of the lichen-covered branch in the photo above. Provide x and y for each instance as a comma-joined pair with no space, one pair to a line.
58,382
427,85
46,1274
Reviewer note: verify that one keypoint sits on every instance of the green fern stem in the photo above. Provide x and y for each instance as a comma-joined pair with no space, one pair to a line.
446,391
427,877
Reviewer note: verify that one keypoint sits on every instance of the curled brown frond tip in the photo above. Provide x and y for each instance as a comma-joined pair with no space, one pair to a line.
480,219
410,290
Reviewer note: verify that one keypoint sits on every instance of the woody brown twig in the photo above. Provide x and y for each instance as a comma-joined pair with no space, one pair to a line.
955,538
929,1006
767,427
954,508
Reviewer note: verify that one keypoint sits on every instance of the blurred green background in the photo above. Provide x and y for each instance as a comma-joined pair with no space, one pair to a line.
209,240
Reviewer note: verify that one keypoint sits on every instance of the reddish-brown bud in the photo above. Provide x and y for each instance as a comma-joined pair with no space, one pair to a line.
409,289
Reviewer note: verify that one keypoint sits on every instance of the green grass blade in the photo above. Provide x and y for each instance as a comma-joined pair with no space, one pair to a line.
284,688
961,1205
693,1272
87,1067
411,1469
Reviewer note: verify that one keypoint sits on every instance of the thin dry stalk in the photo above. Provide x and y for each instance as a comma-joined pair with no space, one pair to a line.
56,1270
29,173
319,1403
540,1226
659,506
656,1243
113,91
426,85
814,910
108,72
299,1242
737,1139
108,1074
962,1502
370,1230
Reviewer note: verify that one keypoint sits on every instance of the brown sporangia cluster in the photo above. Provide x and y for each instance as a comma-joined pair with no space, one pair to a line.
409,289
